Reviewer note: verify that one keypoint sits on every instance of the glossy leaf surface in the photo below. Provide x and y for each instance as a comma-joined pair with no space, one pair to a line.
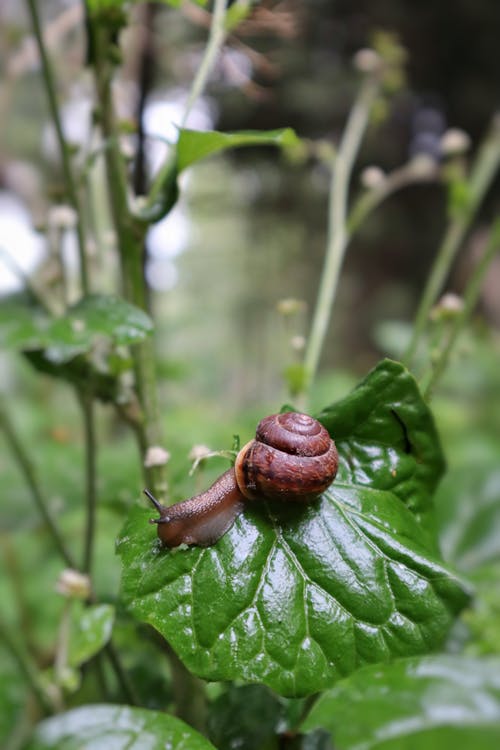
298,597
386,437
118,727
450,702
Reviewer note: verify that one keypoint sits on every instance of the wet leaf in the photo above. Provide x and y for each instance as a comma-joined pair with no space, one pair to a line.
446,702
298,597
119,727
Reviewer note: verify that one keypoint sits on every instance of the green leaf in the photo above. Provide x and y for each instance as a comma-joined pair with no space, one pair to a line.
119,727
468,516
295,597
441,701
386,437
91,631
94,317
194,145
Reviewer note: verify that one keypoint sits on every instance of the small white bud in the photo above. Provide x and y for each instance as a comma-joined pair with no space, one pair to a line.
290,306
62,217
367,61
73,584
454,142
449,306
298,343
156,456
372,177
199,452
78,325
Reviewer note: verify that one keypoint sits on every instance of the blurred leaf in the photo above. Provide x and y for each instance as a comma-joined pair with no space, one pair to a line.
468,515
91,631
483,618
414,703
386,436
194,145
119,727
94,317
296,597
13,695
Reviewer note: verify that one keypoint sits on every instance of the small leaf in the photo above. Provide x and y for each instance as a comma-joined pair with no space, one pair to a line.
245,716
119,727
296,597
194,145
422,703
90,633
386,437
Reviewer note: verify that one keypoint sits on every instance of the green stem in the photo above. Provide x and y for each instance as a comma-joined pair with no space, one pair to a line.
29,472
125,682
69,177
338,236
400,178
216,39
482,174
90,480
131,237
27,667
470,299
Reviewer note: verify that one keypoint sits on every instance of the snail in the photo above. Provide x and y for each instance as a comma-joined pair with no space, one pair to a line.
291,458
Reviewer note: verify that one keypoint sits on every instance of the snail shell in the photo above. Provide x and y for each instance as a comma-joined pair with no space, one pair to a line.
292,458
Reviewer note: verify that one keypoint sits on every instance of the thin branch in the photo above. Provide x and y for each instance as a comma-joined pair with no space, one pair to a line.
27,668
482,175
28,470
470,299
337,228
71,184
88,413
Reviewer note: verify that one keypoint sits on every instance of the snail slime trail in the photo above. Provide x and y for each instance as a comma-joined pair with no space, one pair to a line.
292,458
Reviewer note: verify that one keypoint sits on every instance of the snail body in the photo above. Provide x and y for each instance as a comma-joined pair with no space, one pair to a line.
292,458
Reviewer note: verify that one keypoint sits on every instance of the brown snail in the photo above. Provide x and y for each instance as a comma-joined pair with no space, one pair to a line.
292,458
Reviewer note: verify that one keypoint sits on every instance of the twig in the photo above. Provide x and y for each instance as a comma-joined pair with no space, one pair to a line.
29,472
90,480
337,230
69,177
470,298
482,174
27,668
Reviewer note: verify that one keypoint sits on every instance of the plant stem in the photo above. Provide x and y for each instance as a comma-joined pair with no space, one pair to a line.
131,237
88,413
126,684
470,298
69,177
28,470
338,236
482,174
216,39
27,668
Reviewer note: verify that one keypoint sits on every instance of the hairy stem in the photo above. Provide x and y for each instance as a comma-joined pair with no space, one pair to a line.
338,236
28,470
71,184
470,299
131,239
482,174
